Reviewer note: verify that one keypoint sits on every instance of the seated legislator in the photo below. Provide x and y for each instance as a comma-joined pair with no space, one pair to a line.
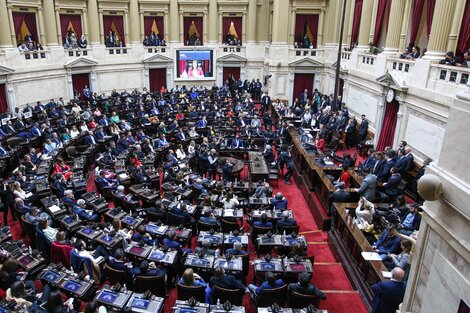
286,220
147,268
270,282
83,213
117,261
237,249
222,280
303,286
387,242
189,278
280,202
263,221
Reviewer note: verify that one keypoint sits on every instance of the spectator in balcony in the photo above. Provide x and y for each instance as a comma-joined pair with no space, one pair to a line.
465,60
28,38
405,53
415,53
82,42
450,59
373,49
23,48
146,42
110,40
70,41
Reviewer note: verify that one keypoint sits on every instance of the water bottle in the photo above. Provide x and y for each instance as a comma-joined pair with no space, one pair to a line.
284,233
218,303
30,250
124,288
25,309
217,253
153,245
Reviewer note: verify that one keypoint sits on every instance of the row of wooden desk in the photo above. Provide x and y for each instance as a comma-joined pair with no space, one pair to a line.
315,184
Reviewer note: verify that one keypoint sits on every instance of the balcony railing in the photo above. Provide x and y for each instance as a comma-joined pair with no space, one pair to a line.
450,74
225,49
34,55
117,50
367,59
345,55
305,52
400,65
158,49
77,52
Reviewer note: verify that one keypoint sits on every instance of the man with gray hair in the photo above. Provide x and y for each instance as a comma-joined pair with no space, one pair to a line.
81,210
237,249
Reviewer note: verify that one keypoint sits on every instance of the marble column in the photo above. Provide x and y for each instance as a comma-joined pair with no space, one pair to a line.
213,19
85,22
126,26
95,22
204,27
394,22
142,26
50,23
181,27
251,25
12,26
134,22
59,31
280,22
174,22
165,23
101,29
405,25
347,22
292,26
351,21
5,39
321,20
373,19
42,28
441,24
364,26
456,23
220,19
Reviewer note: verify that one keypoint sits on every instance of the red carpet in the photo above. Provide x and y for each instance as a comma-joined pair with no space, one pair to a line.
329,277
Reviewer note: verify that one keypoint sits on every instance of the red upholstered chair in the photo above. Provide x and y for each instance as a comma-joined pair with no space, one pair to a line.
61,253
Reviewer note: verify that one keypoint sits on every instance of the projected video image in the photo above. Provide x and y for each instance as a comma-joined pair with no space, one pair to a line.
194,64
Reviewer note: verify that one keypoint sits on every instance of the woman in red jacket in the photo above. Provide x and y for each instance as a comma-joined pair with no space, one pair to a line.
344,179
320,143
61,167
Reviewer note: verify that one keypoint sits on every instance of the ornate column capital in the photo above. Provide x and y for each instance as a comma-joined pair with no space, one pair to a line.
126,11
40,8
294,10
84,10
166,12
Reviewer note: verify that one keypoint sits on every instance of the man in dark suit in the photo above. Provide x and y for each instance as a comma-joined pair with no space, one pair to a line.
303,286
117,262
147,269
389,163
363,128
391,186
402,163
265,101
388,295
90,139
286,221
367,188
225,281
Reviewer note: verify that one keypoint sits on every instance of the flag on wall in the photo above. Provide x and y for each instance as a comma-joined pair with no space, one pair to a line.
193,30
232,31
24,30
306,31
70,28
155,28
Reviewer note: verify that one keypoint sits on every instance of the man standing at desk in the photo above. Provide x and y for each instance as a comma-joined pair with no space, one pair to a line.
388,295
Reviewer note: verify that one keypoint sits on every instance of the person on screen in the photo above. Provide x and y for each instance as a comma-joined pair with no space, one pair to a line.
195,71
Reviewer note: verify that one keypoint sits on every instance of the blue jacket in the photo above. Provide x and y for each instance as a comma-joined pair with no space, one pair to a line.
265,285
280,204
387,296
387,244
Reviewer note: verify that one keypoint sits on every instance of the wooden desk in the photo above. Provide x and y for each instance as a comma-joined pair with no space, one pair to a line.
258,168
349,242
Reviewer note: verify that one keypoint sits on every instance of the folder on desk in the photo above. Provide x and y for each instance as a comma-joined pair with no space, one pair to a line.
371,256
